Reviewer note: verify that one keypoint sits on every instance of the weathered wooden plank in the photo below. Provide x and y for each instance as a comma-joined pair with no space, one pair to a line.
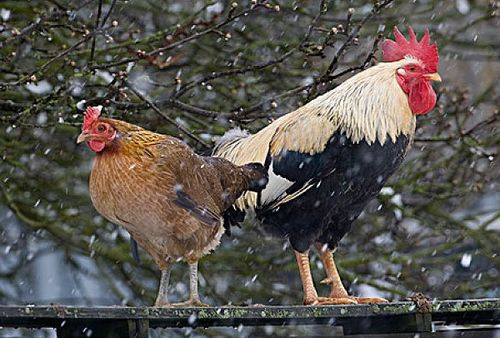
138,328
355,319
119,312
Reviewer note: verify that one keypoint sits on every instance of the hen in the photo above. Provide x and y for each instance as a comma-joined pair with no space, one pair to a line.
328,158
170,199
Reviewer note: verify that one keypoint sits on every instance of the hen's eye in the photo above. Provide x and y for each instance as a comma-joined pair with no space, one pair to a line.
412,68
101,128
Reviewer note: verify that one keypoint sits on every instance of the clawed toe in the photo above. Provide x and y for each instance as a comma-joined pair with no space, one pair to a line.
344,300
330,301
162,304
370,300
190,303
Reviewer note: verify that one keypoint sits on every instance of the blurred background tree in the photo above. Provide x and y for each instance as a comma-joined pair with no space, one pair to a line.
195,69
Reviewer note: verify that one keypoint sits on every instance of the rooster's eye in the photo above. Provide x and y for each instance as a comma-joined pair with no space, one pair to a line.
101,128
412,68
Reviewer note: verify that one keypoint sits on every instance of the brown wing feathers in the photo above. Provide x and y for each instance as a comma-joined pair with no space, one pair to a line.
204,215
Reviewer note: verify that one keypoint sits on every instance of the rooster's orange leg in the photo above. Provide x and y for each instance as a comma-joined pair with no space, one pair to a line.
162,298
333,278
310,294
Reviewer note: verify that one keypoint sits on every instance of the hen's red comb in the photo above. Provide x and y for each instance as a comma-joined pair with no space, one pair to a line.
422,50
91,115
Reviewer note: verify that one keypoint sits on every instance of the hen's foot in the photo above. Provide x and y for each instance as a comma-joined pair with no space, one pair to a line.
190,303
330,301
159,303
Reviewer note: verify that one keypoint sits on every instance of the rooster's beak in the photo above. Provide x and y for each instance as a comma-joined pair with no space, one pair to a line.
82,137
434,77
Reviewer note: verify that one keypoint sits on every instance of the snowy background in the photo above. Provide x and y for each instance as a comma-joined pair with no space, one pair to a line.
434,228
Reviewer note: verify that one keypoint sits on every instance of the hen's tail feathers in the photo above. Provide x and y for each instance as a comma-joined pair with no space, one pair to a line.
257,174
233,217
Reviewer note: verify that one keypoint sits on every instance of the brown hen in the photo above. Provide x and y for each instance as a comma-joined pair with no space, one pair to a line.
170,199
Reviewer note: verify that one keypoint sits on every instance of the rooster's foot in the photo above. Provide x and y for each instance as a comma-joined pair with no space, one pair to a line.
330,301
369,300
342,294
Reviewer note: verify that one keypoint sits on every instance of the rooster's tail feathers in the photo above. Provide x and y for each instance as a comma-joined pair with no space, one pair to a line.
229,138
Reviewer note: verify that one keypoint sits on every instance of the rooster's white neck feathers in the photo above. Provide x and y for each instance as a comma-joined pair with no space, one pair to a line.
370,106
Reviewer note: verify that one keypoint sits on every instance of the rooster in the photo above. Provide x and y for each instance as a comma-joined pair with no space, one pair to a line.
328,158
170,199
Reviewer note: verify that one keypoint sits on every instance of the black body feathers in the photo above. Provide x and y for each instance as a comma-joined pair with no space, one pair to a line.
331,188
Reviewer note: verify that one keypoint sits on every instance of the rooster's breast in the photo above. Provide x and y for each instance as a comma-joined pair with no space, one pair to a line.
330,189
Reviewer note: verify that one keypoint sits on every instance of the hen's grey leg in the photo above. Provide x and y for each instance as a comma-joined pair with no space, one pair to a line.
162,297
194,297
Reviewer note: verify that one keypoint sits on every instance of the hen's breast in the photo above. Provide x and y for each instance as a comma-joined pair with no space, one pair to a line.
129,192
120,191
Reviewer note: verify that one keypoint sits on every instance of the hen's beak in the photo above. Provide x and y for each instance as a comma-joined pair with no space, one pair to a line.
82,137
434,77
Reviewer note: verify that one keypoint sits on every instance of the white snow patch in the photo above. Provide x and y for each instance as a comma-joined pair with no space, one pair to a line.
388,191
106,76
41,87
216,8
463,6
80,105
41,118
397,200
5,14
466,260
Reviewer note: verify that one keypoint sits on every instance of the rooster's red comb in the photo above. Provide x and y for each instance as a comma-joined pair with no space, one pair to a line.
91,115
422,50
